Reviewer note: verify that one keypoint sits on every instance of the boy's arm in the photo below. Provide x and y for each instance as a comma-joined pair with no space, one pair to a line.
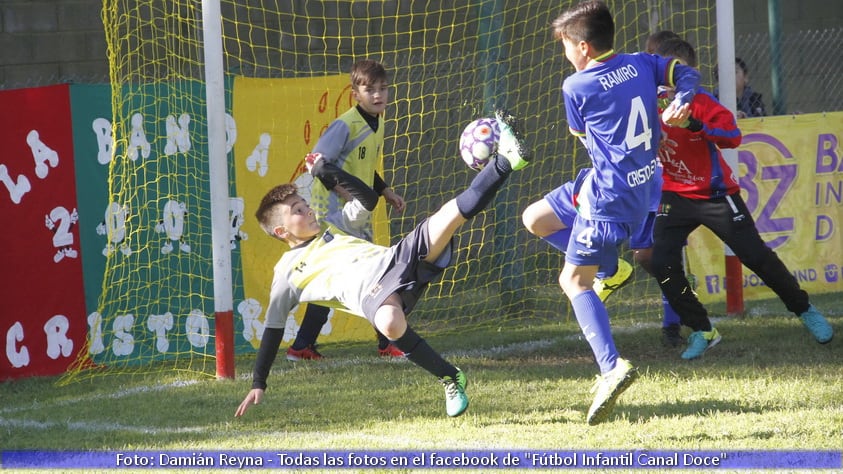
392,198
267,352
685,80
332,176
714,122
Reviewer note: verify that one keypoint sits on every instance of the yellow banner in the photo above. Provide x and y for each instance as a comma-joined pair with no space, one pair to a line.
278,121
791,176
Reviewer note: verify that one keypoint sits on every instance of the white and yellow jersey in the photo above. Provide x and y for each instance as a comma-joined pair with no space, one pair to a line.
350,144
333,269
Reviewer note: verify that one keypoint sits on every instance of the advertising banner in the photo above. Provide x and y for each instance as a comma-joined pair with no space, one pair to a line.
791,176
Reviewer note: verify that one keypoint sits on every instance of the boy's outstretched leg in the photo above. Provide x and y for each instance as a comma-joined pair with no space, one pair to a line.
512,153
511,143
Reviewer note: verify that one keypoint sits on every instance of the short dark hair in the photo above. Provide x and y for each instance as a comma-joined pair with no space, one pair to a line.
589,21
656,39
741,64
267,209
367,72
679,49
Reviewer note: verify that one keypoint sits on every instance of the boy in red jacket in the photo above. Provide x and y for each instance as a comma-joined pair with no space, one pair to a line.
700,188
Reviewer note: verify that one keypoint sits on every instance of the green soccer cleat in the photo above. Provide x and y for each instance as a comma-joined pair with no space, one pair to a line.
456,400
817,325
609,387
699,342
511,144
606,286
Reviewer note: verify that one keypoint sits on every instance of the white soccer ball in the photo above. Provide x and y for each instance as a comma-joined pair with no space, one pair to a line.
478,142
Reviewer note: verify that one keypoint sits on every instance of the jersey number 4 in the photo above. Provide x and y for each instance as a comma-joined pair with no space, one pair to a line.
638,121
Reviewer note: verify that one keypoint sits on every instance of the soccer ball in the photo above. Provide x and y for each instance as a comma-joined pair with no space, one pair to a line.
478,142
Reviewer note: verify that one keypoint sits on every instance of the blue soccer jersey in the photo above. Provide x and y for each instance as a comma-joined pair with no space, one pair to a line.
612,106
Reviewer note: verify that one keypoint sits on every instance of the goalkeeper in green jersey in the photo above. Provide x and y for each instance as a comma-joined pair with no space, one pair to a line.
381,284
354,143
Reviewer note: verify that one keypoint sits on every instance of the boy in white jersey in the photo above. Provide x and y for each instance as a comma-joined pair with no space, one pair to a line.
611,105
354,143
379,283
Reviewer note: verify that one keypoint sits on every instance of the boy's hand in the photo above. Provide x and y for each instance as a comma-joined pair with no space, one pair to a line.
676,115
394,200
253,398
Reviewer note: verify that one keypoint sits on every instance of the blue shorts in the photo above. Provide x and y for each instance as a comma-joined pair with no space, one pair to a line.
592,242
642,238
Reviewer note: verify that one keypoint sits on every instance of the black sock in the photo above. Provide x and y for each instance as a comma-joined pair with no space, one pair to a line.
420,352
315,317
383,341
483,188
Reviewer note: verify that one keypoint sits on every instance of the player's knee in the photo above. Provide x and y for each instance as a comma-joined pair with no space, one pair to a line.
535,222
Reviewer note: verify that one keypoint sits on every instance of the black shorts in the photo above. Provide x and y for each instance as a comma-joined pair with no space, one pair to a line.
408,274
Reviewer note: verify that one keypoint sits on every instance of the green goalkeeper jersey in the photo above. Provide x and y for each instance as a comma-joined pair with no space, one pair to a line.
352,145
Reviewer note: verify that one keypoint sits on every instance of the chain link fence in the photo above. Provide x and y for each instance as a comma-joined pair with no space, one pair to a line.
802,74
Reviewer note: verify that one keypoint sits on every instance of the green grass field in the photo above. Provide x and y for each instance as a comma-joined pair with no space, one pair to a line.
766,386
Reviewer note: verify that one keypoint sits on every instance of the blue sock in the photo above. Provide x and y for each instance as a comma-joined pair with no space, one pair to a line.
559,239
594,321
670,316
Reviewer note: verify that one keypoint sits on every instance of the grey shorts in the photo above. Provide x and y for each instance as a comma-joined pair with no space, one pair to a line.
408,274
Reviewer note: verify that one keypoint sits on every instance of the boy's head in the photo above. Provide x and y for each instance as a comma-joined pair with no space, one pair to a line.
367,72
285,215
369,86
741,74
657,38
679,49
587,30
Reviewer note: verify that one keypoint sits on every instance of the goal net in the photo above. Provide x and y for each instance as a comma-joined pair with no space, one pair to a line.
286,67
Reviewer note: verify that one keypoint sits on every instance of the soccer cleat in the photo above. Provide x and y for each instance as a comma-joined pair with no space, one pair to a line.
671,336
391,351
817,325
609,387
310,161
308,353
511,144
699,342
606,286
456,400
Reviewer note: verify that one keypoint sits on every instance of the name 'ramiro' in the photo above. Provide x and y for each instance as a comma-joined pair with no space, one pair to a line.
619,75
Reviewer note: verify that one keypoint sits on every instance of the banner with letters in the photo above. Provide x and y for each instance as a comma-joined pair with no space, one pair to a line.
791,176
42,304
62,228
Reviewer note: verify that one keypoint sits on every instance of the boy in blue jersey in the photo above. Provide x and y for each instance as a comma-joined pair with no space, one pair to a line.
379,283
354,143
611,105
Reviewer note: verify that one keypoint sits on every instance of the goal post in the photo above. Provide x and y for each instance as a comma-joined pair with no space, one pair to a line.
219,186
728,96
212,108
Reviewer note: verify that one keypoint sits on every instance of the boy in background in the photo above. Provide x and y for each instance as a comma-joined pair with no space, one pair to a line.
700,188
354,143
611,105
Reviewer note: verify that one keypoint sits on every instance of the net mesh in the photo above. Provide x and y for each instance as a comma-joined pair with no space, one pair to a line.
449,63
